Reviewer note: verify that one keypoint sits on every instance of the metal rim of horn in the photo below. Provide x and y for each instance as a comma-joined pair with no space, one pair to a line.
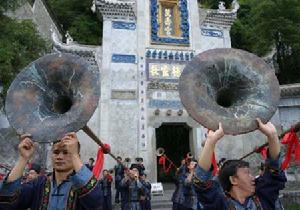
160,151
230,86
189,155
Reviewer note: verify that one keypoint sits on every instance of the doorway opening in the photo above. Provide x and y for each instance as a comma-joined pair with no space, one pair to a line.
174,138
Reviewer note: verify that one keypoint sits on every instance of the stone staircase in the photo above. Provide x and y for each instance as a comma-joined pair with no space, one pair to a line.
163,202
160,202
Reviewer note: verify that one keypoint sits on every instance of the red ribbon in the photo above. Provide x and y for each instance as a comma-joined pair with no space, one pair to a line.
100,160
214,163
162,161
109,177
263,152
292,141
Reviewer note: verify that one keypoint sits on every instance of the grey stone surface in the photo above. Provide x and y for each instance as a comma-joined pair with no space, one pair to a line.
22,13
43,20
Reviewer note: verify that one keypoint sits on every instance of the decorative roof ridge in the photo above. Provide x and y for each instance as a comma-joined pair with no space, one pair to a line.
119,1
220,17
116,8
290,90
58,44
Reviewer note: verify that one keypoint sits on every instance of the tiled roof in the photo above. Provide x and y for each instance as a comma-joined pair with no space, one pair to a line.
290,90
218,18
116,8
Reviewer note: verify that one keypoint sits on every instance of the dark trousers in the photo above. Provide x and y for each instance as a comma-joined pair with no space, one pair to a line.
107,203
177,206
118,193
117,196
145,205
124,205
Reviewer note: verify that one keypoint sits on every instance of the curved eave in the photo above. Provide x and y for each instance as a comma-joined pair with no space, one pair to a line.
116,8
217,18
86,51
291,90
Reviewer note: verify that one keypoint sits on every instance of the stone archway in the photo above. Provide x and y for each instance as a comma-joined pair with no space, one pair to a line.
195,135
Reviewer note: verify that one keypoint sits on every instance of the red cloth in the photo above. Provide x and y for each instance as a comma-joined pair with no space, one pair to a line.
162,161
214,163
106,148
109,177
292,141
263,152
100,160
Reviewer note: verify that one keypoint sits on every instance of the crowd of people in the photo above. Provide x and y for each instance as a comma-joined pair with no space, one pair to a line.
72,184
132,189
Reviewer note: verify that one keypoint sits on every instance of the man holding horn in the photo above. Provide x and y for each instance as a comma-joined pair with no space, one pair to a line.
241,189
71,186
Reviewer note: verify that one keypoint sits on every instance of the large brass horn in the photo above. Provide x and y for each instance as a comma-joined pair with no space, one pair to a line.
160,151
230,86
54,95
189,155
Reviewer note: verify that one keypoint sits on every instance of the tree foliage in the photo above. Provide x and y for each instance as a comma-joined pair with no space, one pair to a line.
20,44
214,4
9,5
271,24
76,17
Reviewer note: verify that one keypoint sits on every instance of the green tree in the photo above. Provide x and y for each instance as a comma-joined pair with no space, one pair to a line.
20,44
271,24
214,4
76,17
9,5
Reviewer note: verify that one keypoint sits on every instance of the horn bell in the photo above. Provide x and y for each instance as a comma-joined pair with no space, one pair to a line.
160,151
54,95
230,86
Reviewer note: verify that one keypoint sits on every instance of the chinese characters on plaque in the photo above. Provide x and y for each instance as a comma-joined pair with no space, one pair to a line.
165,71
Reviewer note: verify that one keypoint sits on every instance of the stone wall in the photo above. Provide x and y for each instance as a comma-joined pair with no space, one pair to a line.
118,106
24,12
290,198
39,14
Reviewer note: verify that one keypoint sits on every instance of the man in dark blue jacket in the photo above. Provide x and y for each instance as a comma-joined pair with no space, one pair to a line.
71,186
106,181
145,200
241,189
119,175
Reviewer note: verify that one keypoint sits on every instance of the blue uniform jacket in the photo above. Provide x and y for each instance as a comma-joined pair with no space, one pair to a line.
267,188
81,191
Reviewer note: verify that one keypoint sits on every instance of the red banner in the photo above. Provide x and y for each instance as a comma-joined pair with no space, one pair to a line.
100,160
292,141
214,163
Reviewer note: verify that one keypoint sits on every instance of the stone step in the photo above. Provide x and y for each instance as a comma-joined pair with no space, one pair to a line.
161,205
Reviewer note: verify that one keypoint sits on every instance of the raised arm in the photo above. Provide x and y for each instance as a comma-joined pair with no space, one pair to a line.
270,132
70,142
273,179
26,150
10,198
212,138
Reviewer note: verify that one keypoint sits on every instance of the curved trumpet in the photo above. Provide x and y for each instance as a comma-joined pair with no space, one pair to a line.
160,151
56,94
189,155
230,86
127,160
